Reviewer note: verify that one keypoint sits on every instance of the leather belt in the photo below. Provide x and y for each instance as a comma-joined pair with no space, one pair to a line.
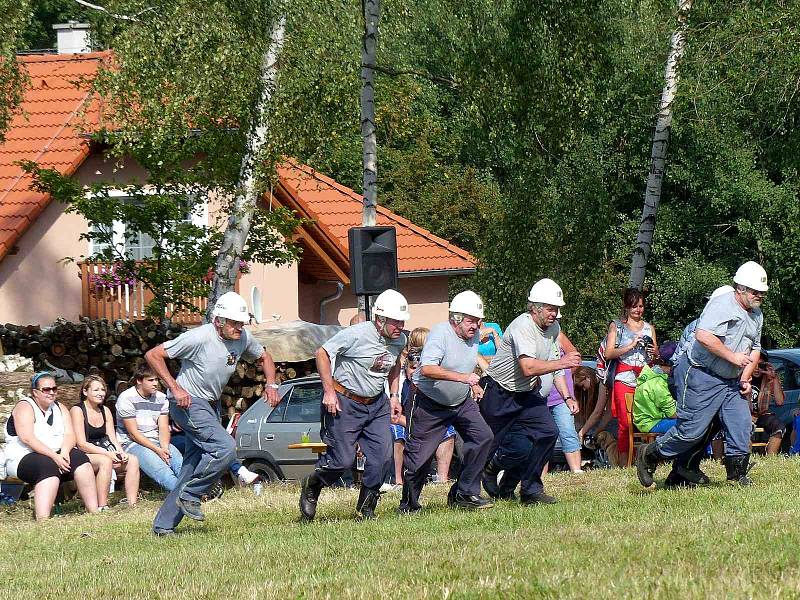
353,396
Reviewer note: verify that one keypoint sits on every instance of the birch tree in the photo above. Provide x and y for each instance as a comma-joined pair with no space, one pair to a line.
369,48
660,145
248,192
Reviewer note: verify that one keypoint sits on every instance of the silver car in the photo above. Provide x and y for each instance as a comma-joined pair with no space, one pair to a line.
263,434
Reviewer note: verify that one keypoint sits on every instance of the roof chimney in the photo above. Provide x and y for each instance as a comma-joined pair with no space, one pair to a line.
73,38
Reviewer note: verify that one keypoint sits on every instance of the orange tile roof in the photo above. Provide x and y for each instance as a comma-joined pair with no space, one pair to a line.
336,208
46,129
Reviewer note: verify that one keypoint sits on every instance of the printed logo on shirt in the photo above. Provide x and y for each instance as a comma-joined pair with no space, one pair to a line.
382,364
232,358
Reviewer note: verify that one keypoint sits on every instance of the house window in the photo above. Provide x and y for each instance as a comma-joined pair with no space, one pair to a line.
140,245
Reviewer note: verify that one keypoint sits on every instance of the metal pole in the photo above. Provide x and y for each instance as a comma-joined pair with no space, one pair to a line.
366,308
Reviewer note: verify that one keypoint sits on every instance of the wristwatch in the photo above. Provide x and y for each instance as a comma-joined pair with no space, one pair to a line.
394,395
274,386
569,398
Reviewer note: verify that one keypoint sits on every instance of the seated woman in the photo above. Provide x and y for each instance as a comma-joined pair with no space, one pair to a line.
766,387
94,432
40,448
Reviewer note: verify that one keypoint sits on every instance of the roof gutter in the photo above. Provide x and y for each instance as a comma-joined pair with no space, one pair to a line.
436,273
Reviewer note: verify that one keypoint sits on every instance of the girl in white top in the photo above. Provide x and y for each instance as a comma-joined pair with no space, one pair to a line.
40,448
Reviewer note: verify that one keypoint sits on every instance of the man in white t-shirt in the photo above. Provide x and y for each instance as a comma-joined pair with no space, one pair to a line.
143,429
527,365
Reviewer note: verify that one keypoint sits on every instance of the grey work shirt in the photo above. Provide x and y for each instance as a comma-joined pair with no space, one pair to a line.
525,338
208,361
363,358
738,329
445,349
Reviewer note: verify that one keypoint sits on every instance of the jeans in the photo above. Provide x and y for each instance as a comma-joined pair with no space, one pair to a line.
150,463
209,451
179,439
701,396
663,426
565,422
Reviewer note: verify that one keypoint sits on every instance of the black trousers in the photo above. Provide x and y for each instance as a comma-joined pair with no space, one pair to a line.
525,434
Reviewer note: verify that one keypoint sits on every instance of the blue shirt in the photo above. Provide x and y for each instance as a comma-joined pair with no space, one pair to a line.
488,347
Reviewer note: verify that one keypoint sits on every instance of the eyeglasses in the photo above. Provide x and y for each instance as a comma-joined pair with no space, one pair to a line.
757,292
48,390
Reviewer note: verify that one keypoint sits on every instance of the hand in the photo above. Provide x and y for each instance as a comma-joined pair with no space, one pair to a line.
581,434
472,379
163,454
745,389
573,406
123,456
477,393
62,462
741,360
571,360
271,396
396,408
182,397
331,402
635,342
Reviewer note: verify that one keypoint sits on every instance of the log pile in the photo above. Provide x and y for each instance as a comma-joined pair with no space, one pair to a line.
113,349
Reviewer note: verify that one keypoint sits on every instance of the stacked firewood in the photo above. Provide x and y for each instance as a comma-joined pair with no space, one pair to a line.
113,349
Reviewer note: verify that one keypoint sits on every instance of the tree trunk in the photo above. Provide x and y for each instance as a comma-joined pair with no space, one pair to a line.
658,153
372,11
227,267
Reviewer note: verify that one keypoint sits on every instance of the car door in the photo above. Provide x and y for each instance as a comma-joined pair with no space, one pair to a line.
298,414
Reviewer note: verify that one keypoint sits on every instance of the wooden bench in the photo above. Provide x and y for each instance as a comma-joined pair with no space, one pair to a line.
315,447
633,434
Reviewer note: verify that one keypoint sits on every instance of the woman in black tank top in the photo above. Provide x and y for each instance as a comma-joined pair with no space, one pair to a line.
95,435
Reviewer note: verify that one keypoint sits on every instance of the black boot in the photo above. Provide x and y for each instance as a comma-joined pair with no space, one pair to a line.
409,501
489,478
647,462
675,480
737,468
508,483
367,503
310,489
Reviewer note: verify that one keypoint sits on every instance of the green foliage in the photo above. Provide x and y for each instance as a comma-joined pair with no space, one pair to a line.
12,79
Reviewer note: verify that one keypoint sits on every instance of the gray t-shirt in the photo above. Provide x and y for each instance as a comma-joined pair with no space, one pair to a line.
146,411
524,338
363,358
738,329
445,349
208,361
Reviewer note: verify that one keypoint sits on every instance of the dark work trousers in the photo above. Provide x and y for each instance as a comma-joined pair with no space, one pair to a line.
525,434
209,451
367,425
691,458
702,395
427,423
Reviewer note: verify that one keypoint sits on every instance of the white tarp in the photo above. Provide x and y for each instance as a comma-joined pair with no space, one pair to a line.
295,341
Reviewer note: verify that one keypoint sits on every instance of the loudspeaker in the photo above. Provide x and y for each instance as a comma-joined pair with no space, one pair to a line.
373,259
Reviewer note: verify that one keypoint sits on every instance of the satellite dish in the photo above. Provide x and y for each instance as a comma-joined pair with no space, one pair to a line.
255,303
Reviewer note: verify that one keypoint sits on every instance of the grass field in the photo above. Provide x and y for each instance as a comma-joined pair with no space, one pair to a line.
606,538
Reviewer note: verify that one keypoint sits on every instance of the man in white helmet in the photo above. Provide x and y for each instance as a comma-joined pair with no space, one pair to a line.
208,356
713,378
686,470
354,405
447,390
527,365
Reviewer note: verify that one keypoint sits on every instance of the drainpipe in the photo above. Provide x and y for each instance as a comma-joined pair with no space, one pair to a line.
328,299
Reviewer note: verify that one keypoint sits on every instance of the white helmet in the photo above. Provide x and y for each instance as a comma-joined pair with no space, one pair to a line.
467,303
720,291
546,291
231,306
752,275
392,305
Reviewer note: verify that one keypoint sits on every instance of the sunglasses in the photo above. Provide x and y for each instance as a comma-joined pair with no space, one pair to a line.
48,390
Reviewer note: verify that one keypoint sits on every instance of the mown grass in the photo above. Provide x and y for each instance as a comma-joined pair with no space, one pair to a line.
607,537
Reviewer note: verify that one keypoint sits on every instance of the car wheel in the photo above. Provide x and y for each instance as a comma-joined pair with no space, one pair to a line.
267,472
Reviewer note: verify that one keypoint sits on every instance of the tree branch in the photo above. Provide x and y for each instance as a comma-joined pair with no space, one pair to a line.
398,72
115,15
